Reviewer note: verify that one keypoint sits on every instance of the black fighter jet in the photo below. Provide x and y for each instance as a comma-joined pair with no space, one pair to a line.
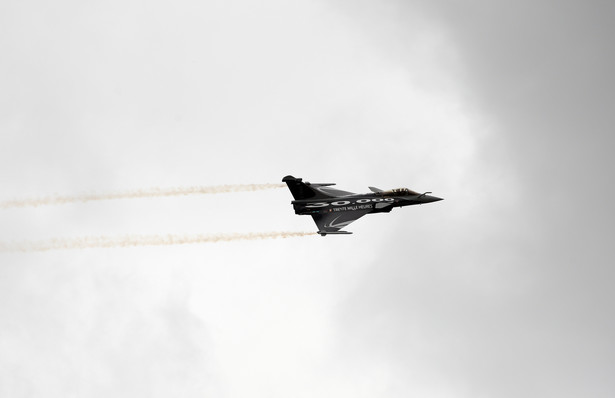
333,209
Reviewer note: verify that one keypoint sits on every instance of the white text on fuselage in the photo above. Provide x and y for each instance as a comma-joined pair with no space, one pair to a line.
357,205
350,208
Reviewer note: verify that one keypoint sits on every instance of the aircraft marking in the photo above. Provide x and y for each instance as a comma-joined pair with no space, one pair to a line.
339,225
346,202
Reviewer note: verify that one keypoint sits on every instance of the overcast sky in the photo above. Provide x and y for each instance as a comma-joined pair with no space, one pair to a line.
505,109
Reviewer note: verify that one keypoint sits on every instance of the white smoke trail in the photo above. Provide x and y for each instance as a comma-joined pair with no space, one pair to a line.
141,193
90,242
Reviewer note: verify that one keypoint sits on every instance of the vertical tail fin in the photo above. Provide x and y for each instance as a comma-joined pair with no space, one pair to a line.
304,190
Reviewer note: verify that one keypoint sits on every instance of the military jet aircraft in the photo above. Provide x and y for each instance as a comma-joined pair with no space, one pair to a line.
333,209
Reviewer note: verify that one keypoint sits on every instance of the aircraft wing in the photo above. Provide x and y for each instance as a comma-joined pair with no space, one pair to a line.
331,223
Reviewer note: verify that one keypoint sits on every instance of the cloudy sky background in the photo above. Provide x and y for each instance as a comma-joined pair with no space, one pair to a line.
502,290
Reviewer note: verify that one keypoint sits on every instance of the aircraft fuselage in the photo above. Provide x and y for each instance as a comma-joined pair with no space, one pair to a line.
371,202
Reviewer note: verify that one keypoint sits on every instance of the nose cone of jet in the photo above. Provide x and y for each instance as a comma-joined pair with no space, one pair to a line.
429,199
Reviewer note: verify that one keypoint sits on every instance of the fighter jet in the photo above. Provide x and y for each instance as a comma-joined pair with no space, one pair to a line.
333,209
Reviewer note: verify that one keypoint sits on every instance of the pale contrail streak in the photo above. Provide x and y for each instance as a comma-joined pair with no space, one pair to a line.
141,193
91,242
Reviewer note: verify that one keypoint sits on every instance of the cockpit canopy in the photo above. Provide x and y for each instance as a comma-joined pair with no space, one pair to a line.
399,192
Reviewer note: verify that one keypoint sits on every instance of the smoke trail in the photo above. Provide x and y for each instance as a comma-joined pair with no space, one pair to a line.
89,242
141,193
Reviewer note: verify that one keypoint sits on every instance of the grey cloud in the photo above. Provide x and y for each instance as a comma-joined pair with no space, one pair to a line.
511,295
503,289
